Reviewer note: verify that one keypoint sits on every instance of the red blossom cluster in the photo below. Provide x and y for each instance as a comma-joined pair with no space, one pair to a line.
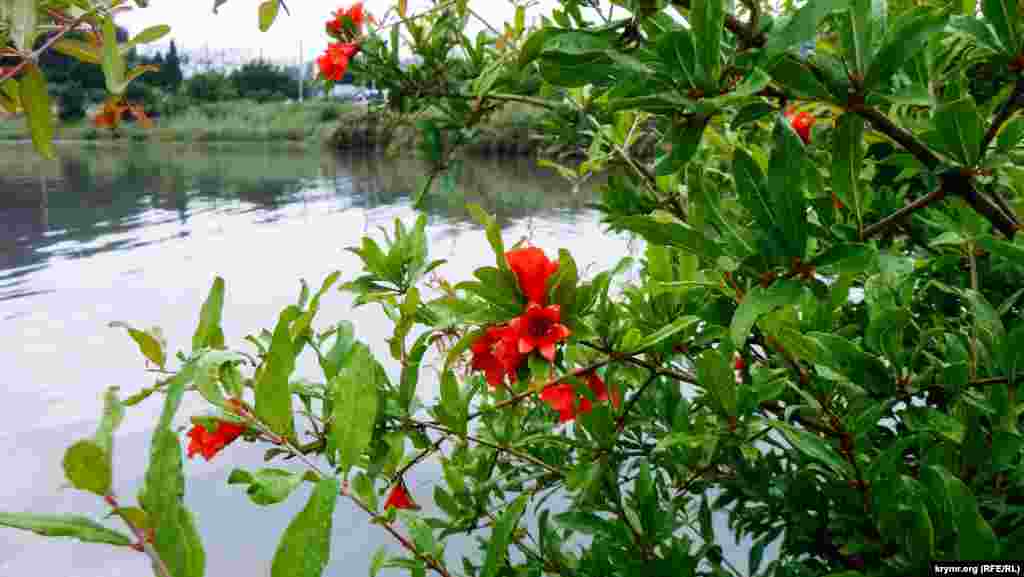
345,29
207,443
399,498
801,123
500,351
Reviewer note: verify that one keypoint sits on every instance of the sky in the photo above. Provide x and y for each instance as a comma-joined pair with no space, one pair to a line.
234,27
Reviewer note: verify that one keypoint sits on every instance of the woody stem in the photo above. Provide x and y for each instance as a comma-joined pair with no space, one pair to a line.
159,567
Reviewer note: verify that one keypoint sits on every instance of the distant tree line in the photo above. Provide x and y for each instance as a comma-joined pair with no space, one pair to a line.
76,86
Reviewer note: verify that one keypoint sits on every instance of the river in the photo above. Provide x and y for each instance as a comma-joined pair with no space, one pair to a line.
136,233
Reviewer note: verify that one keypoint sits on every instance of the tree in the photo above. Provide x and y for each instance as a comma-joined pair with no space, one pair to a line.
823,340
172,74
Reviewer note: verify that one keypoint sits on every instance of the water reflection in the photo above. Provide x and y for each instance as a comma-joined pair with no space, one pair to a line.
136,233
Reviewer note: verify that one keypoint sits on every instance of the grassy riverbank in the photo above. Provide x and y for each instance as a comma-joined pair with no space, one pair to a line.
342,126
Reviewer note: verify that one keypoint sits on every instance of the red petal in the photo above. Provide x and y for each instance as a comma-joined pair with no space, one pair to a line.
547,350
525,346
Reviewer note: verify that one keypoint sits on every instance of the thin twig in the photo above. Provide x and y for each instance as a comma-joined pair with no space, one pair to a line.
144,545
514,452
50,42
530,391
898,216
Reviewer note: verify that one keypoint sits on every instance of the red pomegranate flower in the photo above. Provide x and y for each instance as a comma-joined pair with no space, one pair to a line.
801,123
539,328
532,269
496,353
562,398
209,444
355,13
334,62
740,364
399,498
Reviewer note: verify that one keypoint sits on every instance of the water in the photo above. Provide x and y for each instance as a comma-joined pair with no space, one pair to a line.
136,233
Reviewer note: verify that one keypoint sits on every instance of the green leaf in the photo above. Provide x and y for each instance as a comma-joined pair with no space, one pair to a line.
177,540
785,186
113,60
341,346
150,34
814,447
975,539
760,301
23,21
752,188
77,527
355,406
273,396
306,319
267,486
707,20
797,76
267,13
685,138
82,51
209,317
905,39
411,369
87,466
752,112
802,26
847,159
379,558
857,35
149,344
1005,18
207,379
669,233
961,128
113,414
678,325
305,547
928,419
715,372
36,102
501,537
493,230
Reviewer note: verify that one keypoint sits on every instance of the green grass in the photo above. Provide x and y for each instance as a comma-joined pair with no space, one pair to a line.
315,122
310,122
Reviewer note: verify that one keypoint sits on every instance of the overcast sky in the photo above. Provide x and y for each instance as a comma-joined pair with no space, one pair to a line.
194,25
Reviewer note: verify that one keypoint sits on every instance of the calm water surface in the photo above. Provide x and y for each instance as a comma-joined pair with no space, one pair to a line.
136,234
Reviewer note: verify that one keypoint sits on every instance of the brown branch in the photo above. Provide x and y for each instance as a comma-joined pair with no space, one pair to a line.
159,567
898,216
1009,107
514,452
530,391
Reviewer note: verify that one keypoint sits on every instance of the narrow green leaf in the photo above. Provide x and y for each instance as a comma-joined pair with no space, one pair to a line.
209,317
707,20
149,345
113,414
961,128
355,405
36,102
815,448
411,369
77,49
23,21
267,13
177,540
760,301
803,25
905,39
113,60
305,547
847,159
267,486
1004,17
341,346
668,331
150,34
501,537
77,527
785,186
87,466
207,379
273,395
797,76
669,233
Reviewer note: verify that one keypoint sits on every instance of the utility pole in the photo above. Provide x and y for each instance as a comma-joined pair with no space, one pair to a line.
301,70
